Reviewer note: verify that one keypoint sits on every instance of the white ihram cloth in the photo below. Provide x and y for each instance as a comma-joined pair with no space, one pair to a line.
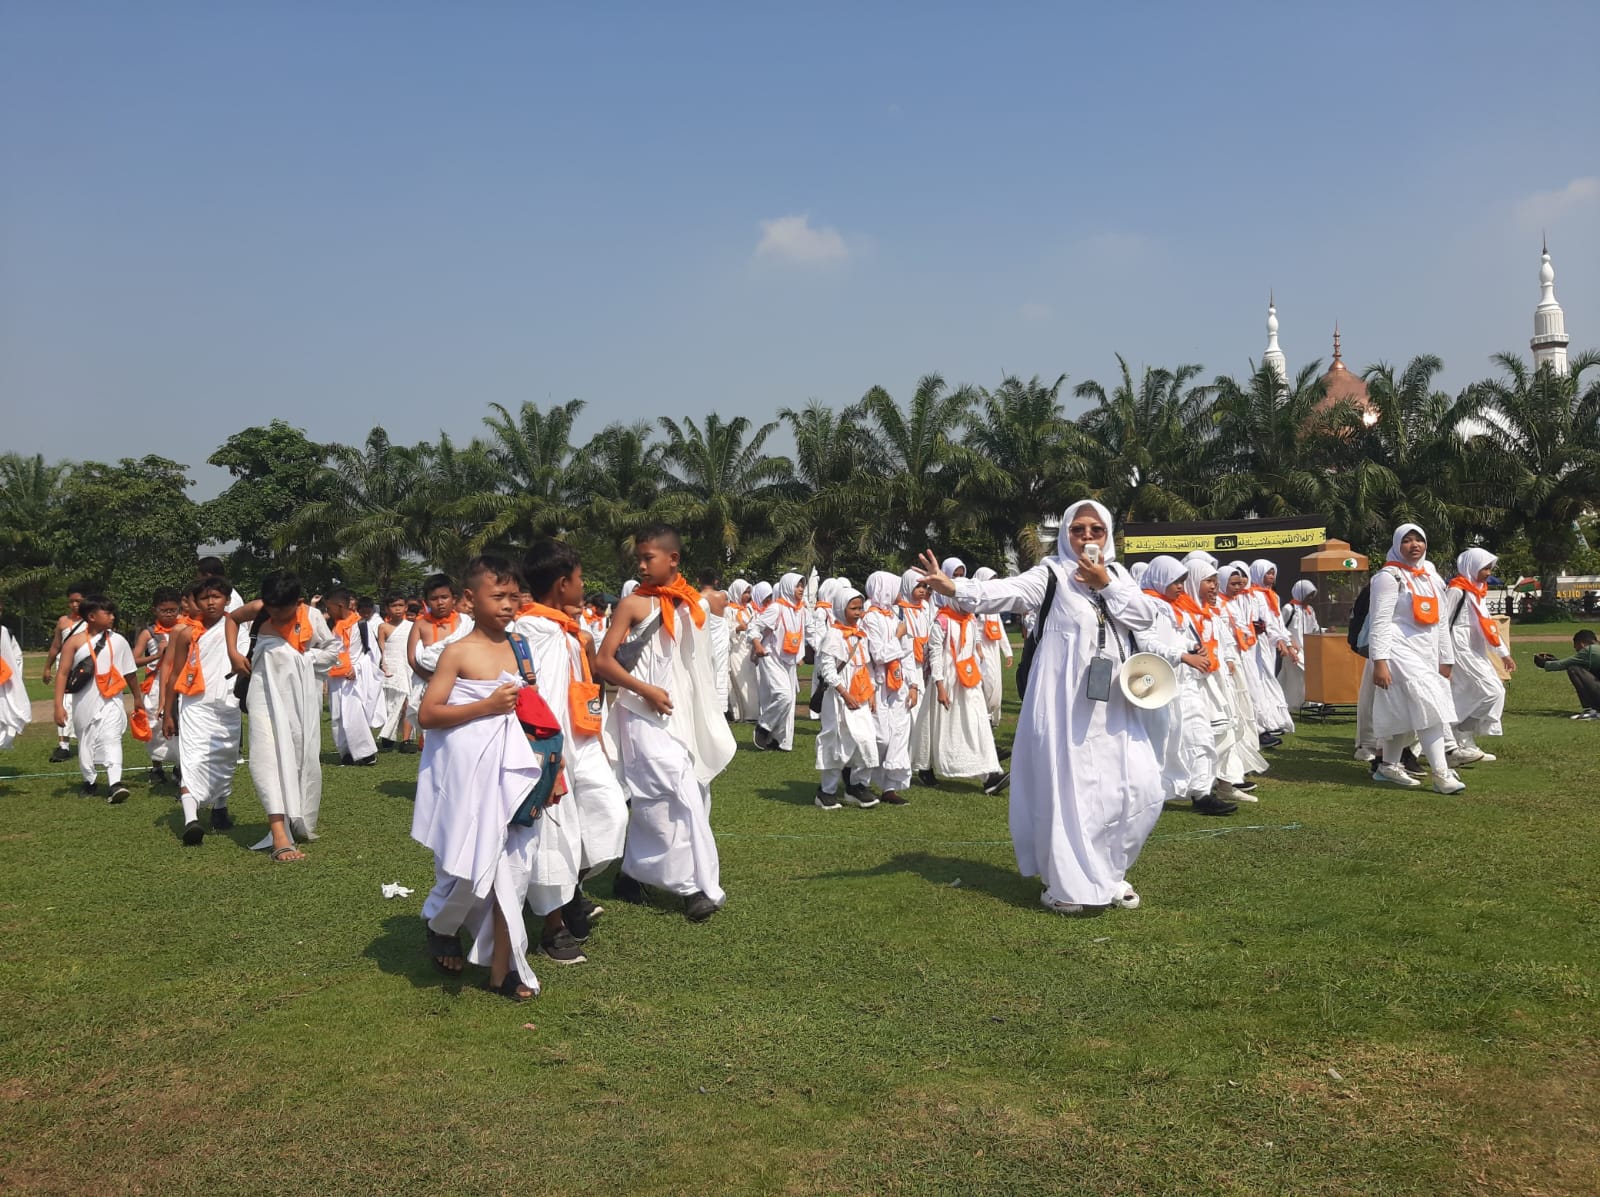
742,685
778,671
1475,688
963,739
848,739
918,619
819,618
1300,621
994,650
667,763
209,724
97,721
396,680
884,647
1269,643
352,699
158,747
15,709
285,708
470,780
1085,780
428,658
1186,746
1418,697
594,812
719,635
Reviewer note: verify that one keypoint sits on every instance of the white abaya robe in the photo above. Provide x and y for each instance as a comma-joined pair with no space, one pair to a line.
285,708
892,719
963,738
470,780
668,763
99,722
1086,787
353,697
209,725
1186,746
1299,621
15,709
778,671
1476,690
396,680
1418,697
744,684
848,739
994,650
918,621
720,638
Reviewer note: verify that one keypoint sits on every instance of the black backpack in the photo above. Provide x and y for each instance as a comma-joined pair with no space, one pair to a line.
1358,620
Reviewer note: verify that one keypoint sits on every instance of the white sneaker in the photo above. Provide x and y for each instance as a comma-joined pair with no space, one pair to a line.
1465,755
1448,783
1395,775
1060,907
1229,792
1366,754
1588,715
1128,901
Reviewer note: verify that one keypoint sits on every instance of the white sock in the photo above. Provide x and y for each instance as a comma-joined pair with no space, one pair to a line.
191,808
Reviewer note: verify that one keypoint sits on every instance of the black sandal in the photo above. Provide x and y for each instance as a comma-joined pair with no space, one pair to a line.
442,947
508,988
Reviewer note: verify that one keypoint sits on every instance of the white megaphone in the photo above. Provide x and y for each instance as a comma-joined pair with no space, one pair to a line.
1148,681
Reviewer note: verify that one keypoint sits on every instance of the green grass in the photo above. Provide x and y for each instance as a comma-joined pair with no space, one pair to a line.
1345,990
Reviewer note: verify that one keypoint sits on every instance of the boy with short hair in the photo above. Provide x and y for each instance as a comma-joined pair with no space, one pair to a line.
149,646
597,806
352,682
477,768
394,633
67,626
211,567
98,715
671,739
200,711
437,624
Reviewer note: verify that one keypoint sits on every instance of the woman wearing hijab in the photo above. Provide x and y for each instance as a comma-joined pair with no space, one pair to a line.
1086,783
1299,621
994,655
782,631
896,682
819,618
1239,753
1238,610
1479,694
742,683
847,745
918,620
963,738
1412,657
1272,643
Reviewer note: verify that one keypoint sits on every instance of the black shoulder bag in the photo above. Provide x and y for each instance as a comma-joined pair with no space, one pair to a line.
241,683
1030,642
82,673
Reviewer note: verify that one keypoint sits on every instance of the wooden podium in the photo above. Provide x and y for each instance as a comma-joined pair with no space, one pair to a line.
1333,669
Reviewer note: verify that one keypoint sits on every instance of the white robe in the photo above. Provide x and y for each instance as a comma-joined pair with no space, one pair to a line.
717,633
15,709
1188,749
779,671
1418,696
428,658
668,763
993,653
848,739
396,680
352,699
470,780
963,739
917,621
594,813
97,721
1475,688
744,691
1086,784
209,724
892,719
1234,721
159,749
285,708
1299,622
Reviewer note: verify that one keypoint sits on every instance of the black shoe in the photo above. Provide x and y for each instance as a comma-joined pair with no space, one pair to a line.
89,789
1004,754
221,820
1210,804
576,917
407,747
118,795
762,738
61,753
368,760
158,775
1248,787
860,795
1267,740
562,947
996,782
697,908
347,759
925,777
193,833
627,889
892,798
827,801
1410,763
385,745
592,909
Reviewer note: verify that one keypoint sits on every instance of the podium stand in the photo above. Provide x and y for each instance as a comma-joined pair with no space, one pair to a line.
1333,670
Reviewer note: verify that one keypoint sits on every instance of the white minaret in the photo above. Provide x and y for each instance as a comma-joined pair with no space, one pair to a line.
1549,324
1273,356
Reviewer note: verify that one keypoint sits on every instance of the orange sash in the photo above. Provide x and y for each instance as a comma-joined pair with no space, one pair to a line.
1474,595
1424,607
1270,595
1246,639
1185,605
296,633
861,688
678,588
443,627
967,671
110,683
191,679
342,630
583,697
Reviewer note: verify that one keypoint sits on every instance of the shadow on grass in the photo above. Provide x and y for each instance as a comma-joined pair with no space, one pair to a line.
794,793
401,950
398,789
1000,884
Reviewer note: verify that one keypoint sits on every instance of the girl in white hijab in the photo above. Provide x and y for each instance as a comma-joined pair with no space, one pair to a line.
1479,694
1412,657
781,631
963,738
1299,621
917,614
994,654
847,745
897,683
742,682
818,619
1272,640
1238,619
1086,785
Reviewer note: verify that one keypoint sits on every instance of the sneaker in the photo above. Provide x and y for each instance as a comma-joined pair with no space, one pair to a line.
1059,907
1394,775
926,778
1448,783
562,947
1128,901
892,798
1464,755
63,753
996,782
89,789
697,908
1591,714
347,759
579,925
1487,757
193,833
861,797
1410,763
158,775
118,795
407,747
1211,804
1268,740
368,760
1245,787
827,801
1366,754
221,820
627,889
1232,793
384,744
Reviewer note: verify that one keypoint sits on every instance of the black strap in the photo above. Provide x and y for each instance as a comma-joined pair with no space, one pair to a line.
1456,614
1102,618
366,644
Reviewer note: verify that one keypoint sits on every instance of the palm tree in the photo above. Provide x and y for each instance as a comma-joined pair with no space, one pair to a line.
1271,448
450,525
720,485
30,502
618,476
1027,462
824,511
914,496
1148,446
534,455
1543,455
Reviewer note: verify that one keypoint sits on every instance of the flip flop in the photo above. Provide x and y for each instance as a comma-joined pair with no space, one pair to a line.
509,988
441,946
281,855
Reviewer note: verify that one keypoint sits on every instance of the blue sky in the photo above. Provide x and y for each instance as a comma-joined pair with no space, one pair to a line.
348,213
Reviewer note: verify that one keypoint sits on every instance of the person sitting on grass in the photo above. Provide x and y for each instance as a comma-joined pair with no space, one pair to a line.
1582,668
477,767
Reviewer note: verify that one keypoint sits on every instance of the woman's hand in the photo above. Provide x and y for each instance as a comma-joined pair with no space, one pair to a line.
935,577
1093,574
1381,676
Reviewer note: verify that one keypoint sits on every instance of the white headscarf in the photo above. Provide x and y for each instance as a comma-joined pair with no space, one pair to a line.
1138,569
1200,555
842,580
983,573
786,587
826,591
1399,535
1196,572
738,590
1225,575
761,593
1163,572
909,581
949,566
883,588
629,587
1303,590
1064,552
1472,560
1259,569
842,598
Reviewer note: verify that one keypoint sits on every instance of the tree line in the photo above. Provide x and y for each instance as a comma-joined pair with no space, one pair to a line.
1512,461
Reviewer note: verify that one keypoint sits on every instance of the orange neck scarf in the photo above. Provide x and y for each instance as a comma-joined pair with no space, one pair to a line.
568,625
296,631
678,588
1270,595
1410,569
446,625
1156,594
1475,593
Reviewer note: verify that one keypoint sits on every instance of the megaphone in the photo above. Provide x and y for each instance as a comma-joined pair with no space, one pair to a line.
1147,681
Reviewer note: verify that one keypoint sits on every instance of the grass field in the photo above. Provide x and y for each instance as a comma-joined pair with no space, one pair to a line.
1347,989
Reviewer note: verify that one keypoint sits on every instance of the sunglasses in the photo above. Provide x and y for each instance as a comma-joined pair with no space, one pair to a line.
1087,529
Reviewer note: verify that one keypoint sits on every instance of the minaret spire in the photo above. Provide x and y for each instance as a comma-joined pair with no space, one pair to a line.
1273,357
1549,343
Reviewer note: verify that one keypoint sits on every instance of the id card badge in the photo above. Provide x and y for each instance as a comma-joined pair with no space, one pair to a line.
1098,687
